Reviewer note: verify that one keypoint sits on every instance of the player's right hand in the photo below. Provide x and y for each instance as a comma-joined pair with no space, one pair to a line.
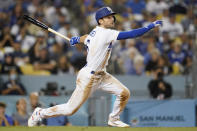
74,40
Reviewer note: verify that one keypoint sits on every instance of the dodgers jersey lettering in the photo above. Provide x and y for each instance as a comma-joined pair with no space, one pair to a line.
99,44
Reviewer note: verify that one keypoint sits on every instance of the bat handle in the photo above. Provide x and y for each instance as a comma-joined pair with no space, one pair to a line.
55,32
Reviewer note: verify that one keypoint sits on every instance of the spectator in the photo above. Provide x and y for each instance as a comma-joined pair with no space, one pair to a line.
164,65
152,63
56,51
159,89
13,86
187,20
33,6
16,27
164,44
174,28
60,22
138,66
66,30
20,58
9,64
187,44
178,7
34,51
43,62
150,48
137,6
5,120
17,12
156,6
90,6
129,62
64,66
127,17
165,15
119,55
26,40
150,18
187,63
120,48
6,39
193,26
20,116
142,45
118,6
3,17
34,102
55,9
176,57
78,57
56,121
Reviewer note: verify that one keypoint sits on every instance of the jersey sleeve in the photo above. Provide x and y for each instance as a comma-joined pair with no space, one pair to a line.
111,35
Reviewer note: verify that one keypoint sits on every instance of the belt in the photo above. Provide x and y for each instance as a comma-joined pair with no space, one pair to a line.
98,72
92,72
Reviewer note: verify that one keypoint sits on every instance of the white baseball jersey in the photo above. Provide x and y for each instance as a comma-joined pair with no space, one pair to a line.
99,44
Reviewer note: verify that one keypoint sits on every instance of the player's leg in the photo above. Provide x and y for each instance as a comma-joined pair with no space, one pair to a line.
81,93
114,86
78,97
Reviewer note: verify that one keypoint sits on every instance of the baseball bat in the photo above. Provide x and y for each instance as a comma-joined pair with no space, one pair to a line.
43,26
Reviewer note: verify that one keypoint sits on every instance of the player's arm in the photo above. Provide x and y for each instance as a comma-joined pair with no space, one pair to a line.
76,39
138,32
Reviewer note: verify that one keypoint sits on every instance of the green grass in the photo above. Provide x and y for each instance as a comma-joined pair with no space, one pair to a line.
75,128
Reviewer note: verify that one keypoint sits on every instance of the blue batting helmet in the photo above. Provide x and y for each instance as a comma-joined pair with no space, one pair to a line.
102,12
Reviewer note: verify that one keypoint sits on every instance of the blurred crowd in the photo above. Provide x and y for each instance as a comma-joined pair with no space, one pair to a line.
30,50
24,108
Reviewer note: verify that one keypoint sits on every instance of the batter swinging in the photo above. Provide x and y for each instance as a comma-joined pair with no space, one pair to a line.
94,76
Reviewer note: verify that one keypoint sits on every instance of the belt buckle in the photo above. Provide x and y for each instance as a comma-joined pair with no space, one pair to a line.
92,72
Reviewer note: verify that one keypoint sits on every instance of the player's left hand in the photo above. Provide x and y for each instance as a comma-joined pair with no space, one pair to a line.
74,40
158,23
155,24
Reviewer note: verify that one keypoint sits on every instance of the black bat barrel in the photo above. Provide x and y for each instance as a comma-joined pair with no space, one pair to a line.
36,22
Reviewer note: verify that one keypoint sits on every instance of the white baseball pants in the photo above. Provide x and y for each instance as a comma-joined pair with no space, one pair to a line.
87,82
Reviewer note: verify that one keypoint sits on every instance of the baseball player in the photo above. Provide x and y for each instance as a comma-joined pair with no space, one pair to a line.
93,75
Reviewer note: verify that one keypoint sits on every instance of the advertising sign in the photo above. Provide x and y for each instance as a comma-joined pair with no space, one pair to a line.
154,113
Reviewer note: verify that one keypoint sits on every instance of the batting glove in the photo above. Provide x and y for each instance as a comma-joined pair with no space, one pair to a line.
74,40
158,23
155,24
